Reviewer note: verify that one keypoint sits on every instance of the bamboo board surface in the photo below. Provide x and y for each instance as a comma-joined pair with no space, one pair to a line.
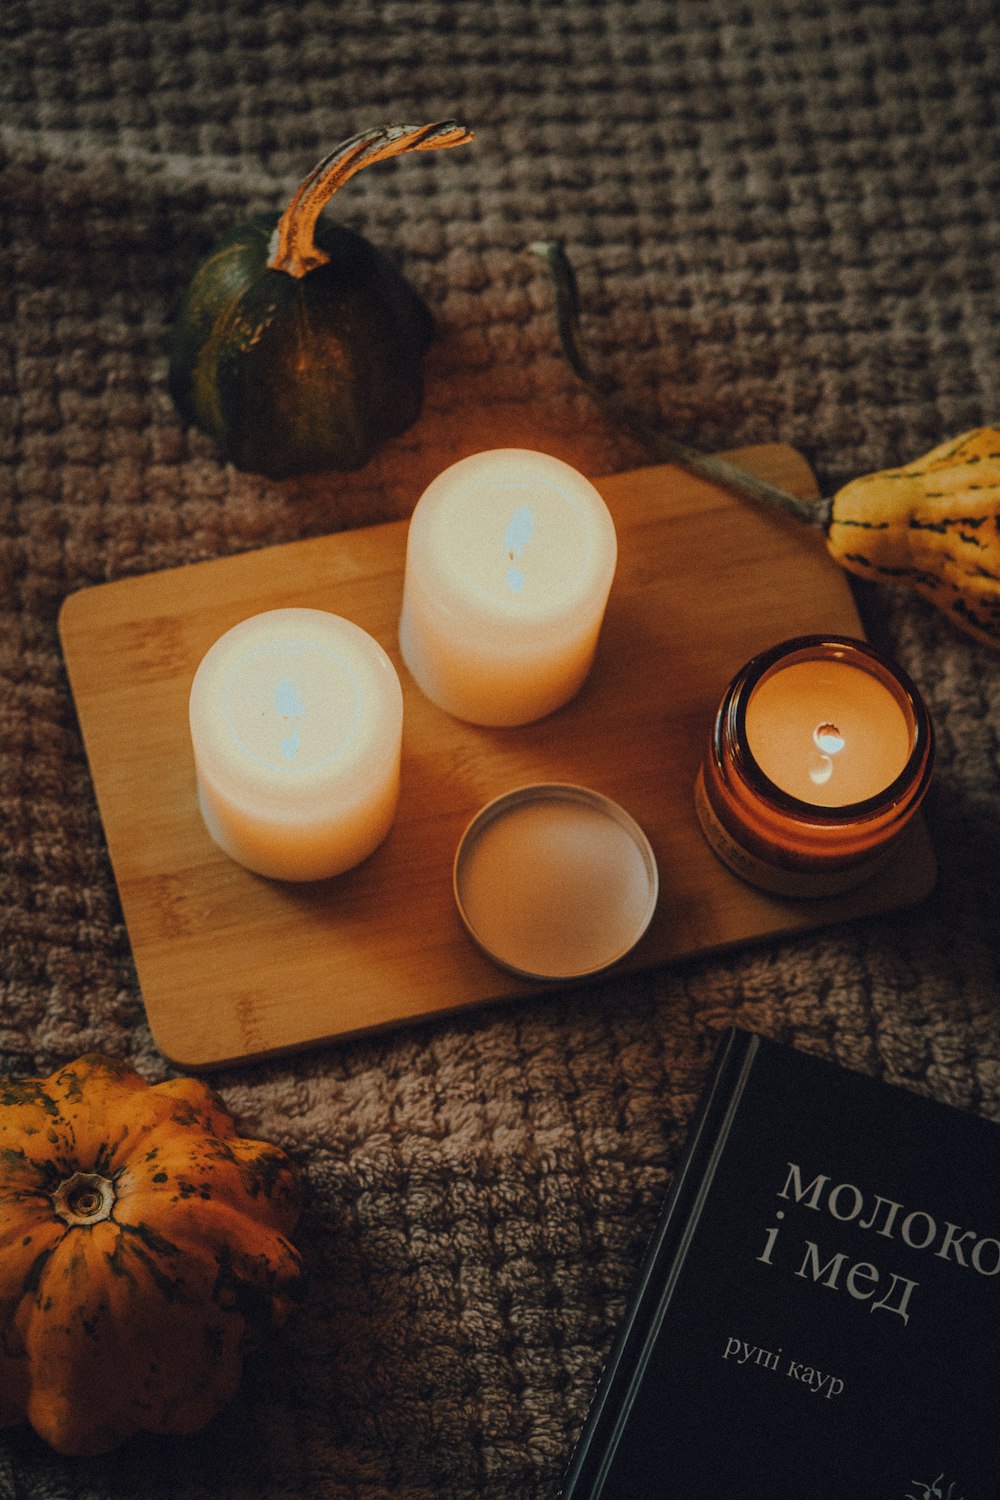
233,966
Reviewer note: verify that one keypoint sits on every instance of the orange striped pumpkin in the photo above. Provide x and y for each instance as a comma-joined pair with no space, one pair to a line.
142,1244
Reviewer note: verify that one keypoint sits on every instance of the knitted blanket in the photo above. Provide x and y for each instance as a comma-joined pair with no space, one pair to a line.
783,219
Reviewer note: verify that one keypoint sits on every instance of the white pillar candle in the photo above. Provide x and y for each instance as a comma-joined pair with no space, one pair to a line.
509,561
296,722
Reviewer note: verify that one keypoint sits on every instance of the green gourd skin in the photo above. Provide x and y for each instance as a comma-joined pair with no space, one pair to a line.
300,370
294,375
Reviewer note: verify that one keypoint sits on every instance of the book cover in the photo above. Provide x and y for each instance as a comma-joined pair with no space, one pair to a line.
816,1317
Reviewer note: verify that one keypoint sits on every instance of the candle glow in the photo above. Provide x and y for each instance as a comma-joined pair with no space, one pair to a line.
820,754
827,732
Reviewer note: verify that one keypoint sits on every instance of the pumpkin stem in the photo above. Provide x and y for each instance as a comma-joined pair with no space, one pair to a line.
293,248
816,513
85,1198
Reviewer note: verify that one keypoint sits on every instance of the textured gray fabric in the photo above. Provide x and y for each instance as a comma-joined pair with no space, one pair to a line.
783,217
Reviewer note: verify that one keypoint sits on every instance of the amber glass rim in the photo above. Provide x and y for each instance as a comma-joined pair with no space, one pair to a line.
730,738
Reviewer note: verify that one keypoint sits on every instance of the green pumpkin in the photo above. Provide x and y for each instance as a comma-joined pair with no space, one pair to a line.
298,345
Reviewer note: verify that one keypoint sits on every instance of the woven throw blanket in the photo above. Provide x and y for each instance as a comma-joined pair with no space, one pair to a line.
783,218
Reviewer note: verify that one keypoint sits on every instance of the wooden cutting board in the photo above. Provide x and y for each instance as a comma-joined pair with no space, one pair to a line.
233,966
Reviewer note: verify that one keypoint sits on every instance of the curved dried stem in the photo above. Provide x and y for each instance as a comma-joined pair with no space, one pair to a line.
816,513
293,247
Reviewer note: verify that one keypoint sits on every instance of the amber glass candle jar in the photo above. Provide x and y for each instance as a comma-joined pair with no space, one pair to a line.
821,752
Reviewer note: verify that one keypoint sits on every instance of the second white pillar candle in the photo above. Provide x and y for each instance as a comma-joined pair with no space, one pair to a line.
510,558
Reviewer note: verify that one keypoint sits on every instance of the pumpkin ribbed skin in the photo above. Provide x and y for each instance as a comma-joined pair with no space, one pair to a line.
294,375
298,345
142,1242
933,524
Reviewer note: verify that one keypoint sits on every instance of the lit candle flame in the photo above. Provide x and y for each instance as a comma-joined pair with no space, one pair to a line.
289,706
828,739
516,538
829,742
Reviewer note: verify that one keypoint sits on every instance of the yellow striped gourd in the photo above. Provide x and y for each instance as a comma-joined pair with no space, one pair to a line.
933,524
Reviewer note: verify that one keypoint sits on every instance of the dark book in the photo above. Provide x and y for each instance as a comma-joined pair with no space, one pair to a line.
817,1314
